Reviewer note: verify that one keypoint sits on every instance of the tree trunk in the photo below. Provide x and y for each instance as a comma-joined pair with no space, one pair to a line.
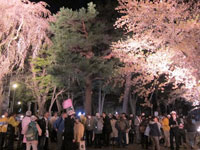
102,102
126,92
133,101
88,96
58,106
99,103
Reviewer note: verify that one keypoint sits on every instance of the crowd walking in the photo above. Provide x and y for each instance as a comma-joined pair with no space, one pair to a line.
72,132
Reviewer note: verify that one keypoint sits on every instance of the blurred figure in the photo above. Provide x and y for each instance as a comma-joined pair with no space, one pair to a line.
78,131
44,125
3,129
59,127
12,124
181,132
69,133
191,132
132,129
89,127
143,125
53,133
25,122
114,134
155,133
166,128
137,122
34,129
107,129
174,125
98,130
122,126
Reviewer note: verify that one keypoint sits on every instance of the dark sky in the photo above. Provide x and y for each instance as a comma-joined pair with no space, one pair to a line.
55,5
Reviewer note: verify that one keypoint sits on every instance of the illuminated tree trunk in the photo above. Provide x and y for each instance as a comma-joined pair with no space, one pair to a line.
133,101
88,96
126,93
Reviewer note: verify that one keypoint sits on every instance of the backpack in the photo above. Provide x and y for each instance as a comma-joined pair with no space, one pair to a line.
99,125
31,133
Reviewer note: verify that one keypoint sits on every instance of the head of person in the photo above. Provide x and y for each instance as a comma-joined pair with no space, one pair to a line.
155,119
103,114
173,113
110,115
77,120
98,115
33,118
5,114
123,115
64,115
28,113
46,114
13,114
55,114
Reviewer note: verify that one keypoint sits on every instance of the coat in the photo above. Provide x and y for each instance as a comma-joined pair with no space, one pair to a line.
78,131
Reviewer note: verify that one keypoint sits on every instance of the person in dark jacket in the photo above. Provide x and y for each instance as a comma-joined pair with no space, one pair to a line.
107,129
174,123
89,127
44,138
69,133
144,138
59,126
155,133
122,126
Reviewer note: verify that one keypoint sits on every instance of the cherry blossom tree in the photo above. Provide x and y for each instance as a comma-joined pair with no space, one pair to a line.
162,41
23,27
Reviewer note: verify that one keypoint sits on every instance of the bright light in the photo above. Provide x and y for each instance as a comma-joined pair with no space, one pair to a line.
19,103
3,116
198,129
116,113
15,86
79,114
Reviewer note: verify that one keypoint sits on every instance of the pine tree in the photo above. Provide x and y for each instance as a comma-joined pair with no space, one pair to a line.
80,45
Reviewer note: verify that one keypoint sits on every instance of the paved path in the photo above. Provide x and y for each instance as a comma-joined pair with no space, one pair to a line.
129,147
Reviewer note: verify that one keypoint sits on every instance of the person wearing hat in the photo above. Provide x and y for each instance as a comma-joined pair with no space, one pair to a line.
25,121
33,141
174,129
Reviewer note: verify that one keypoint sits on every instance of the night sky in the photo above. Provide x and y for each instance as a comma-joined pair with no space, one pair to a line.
55,5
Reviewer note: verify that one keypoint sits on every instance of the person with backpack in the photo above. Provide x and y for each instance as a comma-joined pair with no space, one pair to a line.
32,132
98,130
59,126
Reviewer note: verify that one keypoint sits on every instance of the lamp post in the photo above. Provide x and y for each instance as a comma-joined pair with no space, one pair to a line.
14,86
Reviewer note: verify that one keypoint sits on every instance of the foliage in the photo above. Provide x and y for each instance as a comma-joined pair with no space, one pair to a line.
160,45
80,45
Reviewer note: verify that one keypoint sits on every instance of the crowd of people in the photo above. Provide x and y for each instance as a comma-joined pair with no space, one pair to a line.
68,132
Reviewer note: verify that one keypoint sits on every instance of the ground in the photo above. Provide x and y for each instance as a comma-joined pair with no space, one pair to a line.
129,147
